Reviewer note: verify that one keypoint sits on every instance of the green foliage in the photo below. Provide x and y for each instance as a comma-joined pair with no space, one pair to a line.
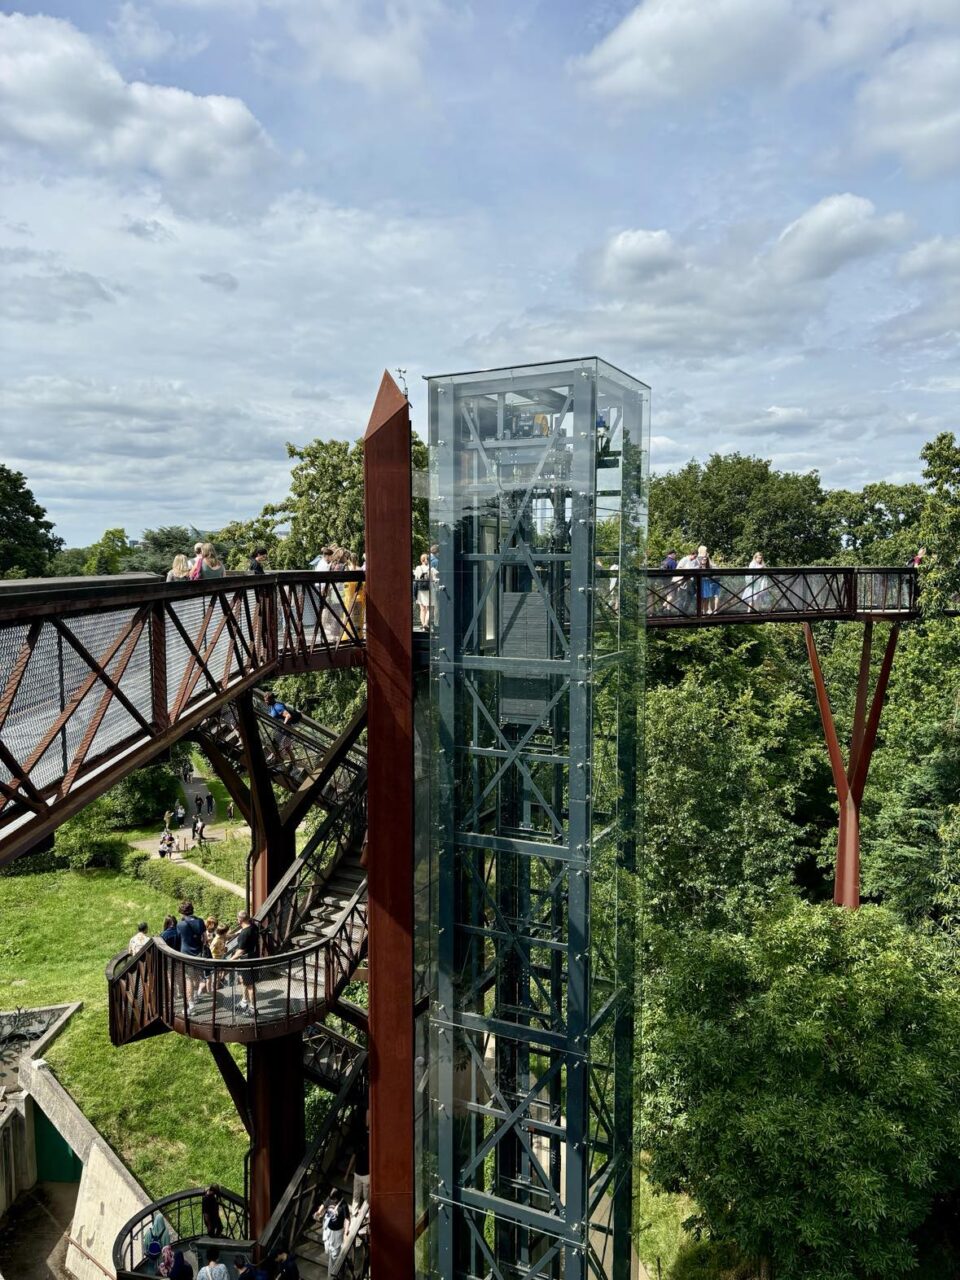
738,505
940,523
27,540
88,839
156,548
161,1104
225,858
143,797
107,554
879,524
801,1079
176,881
711,1260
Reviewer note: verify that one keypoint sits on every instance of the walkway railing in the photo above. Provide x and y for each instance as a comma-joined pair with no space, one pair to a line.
699,597
289,905
354,1260
96,679
328,1057
183,1215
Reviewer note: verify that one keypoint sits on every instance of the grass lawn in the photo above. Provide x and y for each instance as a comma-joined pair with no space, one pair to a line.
658,1224
226,858
161,1104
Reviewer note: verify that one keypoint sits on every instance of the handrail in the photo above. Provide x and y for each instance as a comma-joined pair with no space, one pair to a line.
697,597
288,905
311,1180
183,1208
353,1261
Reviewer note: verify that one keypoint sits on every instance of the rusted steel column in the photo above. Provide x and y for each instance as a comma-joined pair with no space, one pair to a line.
389,516
274,844
851,780
275,1090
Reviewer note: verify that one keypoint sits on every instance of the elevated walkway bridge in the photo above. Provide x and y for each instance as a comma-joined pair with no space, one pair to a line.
98,678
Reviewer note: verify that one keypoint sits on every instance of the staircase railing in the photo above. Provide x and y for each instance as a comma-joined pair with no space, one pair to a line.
183,1215
134,1008
288,906
327,1160
328,1057
353,1262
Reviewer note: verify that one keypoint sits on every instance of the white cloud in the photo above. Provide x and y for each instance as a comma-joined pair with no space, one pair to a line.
58,92
137,36
671,49
377,44
833,232
937,257
638,255
911,107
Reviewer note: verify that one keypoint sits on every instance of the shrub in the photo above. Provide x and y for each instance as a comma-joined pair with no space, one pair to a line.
87,840
178,882
711,1260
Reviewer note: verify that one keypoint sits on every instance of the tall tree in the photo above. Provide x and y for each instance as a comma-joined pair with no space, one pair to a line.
27,540
801,1079
940,523
107,554
738,505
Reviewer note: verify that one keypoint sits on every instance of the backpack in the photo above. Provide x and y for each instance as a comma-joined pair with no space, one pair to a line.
336,1216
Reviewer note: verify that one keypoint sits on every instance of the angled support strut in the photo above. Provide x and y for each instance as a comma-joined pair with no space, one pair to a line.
850,780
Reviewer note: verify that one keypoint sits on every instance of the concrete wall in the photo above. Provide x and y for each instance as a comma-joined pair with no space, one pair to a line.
109,1193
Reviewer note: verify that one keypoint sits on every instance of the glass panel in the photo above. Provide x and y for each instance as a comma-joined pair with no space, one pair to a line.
538,507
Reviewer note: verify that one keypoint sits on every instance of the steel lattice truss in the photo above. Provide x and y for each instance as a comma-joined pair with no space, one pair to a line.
534,692
96,681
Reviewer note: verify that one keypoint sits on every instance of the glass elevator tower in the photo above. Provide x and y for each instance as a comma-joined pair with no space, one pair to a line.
527,911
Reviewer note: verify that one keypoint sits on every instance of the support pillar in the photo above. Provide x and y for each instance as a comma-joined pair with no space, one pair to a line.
275,1087
274,843
389,517
850,780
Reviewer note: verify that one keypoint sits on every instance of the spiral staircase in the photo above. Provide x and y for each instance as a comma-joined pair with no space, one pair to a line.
313,941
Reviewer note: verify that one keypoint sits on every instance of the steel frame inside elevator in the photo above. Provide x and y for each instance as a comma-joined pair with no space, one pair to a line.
538,513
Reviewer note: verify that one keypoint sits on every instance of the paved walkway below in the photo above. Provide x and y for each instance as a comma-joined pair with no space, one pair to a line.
33,1237
211,833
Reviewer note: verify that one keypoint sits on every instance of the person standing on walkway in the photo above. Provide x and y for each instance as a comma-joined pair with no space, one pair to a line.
191,932
209,802
255,564
246,947
179,814
180,570
334,1215
210,566
198,802
215,1269
210,1208
230,810
139,939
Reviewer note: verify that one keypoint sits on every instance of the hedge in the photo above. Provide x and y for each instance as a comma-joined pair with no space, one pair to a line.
178,881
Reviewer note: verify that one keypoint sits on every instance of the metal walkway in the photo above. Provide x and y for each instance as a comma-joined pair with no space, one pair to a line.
99,677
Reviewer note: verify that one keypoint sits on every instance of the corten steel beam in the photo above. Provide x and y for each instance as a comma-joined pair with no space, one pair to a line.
304,798
850,780
223,767
274,843
388,515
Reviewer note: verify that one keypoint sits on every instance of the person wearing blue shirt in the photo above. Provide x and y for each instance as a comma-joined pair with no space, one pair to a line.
191,931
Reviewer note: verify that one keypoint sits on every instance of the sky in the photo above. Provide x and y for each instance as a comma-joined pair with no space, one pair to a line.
221,220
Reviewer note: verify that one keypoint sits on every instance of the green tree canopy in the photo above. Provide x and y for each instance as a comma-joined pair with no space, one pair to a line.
27,540
940,523
107,554
802,1081
738,505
